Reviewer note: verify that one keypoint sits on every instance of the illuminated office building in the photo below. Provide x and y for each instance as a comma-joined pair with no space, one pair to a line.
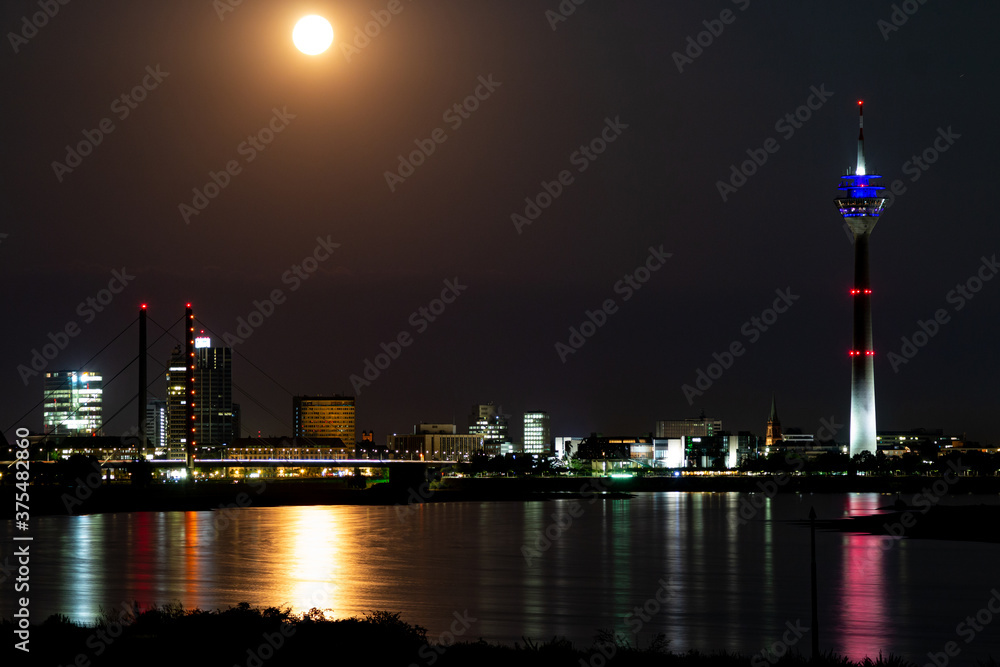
176,404
156,426
73,403
324,417
680,428
488,422
537,434
434,442
213,406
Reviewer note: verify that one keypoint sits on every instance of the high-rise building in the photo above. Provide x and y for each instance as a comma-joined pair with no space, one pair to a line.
488,422
177,429
324,417
156,427
213,405
537,434
773,435
860,209
481,413
73,403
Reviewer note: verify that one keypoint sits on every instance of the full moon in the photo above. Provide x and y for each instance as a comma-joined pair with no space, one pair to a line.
312,35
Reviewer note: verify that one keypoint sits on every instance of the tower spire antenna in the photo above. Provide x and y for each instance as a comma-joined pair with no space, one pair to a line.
861,139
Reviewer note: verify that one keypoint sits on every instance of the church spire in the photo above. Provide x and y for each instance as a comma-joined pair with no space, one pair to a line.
773,436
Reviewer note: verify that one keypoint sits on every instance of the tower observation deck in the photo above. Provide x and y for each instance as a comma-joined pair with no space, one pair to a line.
861,206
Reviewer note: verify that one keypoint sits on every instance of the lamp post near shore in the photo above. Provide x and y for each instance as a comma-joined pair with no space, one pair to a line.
814,626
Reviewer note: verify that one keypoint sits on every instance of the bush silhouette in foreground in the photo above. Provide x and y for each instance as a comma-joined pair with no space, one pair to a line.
243,636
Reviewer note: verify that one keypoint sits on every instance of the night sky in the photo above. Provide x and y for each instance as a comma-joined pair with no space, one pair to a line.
213,76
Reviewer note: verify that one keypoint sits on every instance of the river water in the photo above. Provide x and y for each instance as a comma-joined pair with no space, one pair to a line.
681,564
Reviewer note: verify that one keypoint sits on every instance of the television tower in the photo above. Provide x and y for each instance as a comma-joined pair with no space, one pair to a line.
860,209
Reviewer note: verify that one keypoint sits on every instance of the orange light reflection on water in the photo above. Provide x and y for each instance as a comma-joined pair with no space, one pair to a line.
314,560
191,577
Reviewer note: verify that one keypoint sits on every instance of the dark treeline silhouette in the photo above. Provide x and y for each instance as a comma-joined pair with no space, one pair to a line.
506,464
971,463
272,637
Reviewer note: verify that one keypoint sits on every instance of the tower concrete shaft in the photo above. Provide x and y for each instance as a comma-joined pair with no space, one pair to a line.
863,435
861,209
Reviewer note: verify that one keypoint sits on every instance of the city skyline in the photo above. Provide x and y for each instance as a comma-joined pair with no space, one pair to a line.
611,186
486,418
469,329
326,417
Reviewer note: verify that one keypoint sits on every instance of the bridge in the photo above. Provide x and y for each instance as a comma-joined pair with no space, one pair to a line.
401,472
278,463
136,436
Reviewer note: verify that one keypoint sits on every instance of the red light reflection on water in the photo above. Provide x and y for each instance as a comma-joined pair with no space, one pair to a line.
864,622
142,556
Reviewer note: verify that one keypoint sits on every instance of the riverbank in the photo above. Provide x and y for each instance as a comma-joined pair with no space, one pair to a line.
273,637
200,496
970,523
